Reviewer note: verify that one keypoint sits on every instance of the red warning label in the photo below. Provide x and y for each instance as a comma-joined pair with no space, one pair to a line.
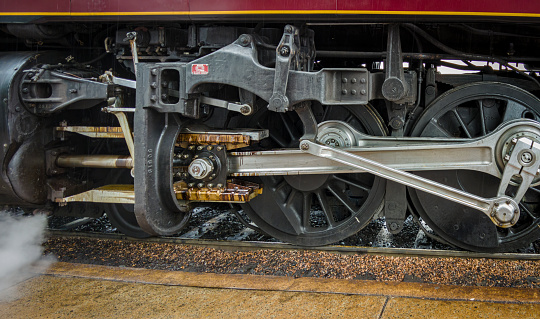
199,69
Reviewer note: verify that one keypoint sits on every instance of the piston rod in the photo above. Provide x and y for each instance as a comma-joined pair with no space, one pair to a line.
95,161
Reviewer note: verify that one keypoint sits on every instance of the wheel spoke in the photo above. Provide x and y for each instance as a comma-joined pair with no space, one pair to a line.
278,139
461,123
306,209
482,117
352,183
293,218
340,195
523,208
327,210
289,127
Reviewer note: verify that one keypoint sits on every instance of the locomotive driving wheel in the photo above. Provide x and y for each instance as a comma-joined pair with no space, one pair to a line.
314,210
470,111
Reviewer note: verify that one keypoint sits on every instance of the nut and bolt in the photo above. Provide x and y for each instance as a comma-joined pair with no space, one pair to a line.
506,157
362,80
209,147
191,147
200,185
353,80
219,185
154,71
219,148
343,91
191,185
304,147
199,148
200,168
526,157
363,92
245,109
244,40
344,80
285,51
353,92
210,185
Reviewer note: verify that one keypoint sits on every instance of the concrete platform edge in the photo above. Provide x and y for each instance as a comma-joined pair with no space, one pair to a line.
304,284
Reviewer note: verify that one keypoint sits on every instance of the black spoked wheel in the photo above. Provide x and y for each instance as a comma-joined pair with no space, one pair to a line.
313,210
122,216
469,111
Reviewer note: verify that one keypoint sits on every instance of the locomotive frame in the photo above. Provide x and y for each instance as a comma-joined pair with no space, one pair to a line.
311,132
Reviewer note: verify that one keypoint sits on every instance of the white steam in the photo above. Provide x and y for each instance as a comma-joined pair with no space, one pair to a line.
21,250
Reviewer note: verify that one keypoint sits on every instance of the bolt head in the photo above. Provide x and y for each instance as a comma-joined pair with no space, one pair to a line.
304,146
200,168
285,51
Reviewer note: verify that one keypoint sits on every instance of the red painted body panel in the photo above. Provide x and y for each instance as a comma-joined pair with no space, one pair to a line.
56,10
121,6
34,6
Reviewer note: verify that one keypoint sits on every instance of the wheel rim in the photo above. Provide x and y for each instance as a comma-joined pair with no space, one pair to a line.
469,111
122,216
313,210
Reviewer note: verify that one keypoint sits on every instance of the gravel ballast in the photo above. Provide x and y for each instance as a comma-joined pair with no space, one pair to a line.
297,263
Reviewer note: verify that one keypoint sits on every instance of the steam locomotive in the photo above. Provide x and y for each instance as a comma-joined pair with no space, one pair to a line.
310,116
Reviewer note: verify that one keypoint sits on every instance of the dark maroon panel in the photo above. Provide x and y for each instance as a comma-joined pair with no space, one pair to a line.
122,6
173,7
256,5
511,6
35,6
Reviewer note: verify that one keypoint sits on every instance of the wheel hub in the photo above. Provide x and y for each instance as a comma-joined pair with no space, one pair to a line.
306,183
335,134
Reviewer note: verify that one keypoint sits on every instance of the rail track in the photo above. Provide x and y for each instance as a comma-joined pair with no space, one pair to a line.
236,245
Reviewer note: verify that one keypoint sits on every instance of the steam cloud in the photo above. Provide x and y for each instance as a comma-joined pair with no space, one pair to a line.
20,250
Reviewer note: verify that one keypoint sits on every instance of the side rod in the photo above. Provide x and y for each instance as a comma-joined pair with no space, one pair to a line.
485,205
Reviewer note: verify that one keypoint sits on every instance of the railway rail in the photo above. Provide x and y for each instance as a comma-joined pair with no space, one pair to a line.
254,245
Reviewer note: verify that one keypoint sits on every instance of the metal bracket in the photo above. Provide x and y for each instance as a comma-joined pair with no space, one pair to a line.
132,37
244,109
64,91
524,161
395,87
285,53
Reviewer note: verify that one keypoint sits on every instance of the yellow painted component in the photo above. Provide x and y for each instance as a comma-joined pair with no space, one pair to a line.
93,131
121,194
231,141
236,191
279,12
